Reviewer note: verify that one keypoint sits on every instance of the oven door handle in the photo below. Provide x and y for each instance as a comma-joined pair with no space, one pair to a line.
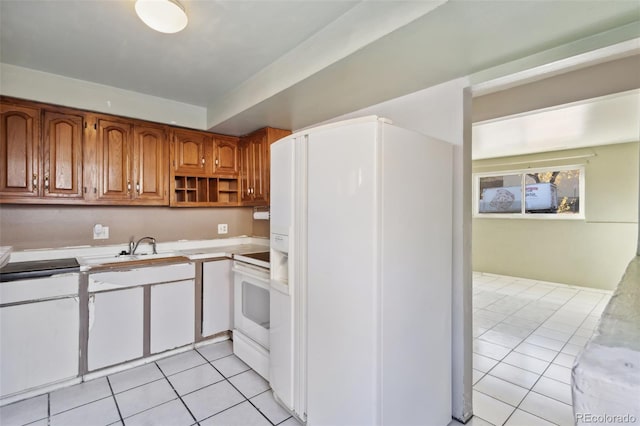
264,279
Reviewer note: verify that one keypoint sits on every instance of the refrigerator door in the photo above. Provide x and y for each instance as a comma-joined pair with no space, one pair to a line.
342,275
281,219
282,239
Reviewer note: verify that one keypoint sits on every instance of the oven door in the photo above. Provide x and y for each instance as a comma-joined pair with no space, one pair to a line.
251,302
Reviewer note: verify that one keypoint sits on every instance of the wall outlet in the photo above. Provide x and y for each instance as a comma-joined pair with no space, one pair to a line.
100,232
223,228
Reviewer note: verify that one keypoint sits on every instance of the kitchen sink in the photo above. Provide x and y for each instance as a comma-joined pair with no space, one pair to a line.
122,258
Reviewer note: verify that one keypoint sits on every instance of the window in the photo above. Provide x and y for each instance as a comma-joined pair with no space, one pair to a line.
550,192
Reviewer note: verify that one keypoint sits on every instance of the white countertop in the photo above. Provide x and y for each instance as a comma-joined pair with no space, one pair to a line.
192,249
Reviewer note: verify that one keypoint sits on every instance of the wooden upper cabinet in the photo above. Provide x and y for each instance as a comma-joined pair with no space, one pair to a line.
225,155
151,165
19,145
62,155
254,164
58,155
132,163
258,148
246,171
113,148
192,152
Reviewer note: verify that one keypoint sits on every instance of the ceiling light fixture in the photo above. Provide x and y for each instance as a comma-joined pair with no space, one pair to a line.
165,16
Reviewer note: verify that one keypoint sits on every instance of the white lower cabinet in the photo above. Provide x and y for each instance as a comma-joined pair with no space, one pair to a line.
39,338
116,327
117,307
217,297
172,315
38,344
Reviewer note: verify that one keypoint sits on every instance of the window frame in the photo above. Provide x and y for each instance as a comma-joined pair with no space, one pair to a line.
523,215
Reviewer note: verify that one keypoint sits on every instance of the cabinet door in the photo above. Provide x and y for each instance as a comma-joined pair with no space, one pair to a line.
226,157
217,297
38,344
115,327
114,147
254,158
259,152
192,153
19,143
62,152
150,165
172,315
246,171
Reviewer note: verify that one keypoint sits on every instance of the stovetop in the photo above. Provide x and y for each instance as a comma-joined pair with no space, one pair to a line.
258,259
264,256
38,268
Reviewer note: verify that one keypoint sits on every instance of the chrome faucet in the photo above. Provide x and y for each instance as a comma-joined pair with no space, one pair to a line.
134,246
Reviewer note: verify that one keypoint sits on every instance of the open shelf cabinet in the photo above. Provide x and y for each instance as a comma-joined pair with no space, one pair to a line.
197,191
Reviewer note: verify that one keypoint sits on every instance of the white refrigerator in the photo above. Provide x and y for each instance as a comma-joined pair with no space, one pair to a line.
360,294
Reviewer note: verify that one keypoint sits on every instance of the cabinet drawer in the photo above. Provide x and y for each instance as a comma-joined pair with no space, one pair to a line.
142,276
39,288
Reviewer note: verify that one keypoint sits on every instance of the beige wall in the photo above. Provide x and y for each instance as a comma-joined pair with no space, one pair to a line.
592,252
598,80
25,227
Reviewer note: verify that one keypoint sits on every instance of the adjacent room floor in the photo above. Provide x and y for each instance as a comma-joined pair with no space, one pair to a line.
526,336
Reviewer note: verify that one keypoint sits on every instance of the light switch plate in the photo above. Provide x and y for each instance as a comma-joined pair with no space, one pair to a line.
223,228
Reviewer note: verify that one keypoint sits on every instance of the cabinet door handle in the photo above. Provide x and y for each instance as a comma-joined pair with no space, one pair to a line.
217,162
138,187
203,161
128,187
34,182
46,183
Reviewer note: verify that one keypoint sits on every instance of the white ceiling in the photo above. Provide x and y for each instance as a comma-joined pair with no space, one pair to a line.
290,63
599,121
225,42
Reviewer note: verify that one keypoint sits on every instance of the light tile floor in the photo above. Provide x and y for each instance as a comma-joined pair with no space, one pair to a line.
206,386
526,335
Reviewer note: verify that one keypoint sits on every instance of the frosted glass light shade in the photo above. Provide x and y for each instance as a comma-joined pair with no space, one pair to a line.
165,16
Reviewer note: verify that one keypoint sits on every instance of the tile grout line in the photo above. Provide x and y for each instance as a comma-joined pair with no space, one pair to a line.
550,362
177,394
511,350
113,395
238,390
515,407
166,378
246,399
534,330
